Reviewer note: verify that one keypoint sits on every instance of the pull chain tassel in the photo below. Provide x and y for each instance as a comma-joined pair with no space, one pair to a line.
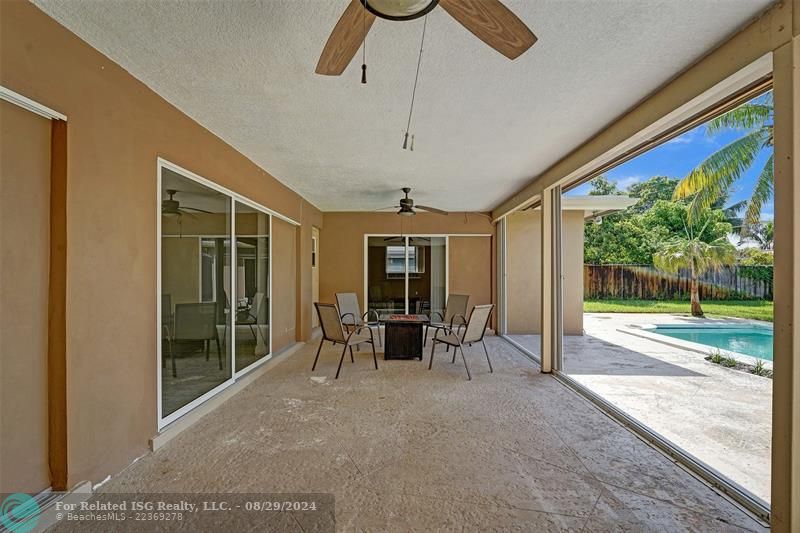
412,143
364,73
405,142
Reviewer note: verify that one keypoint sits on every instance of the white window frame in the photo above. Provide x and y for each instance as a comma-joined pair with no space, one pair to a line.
233,197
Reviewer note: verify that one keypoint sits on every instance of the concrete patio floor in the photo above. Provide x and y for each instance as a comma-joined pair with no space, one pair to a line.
719,415
403,448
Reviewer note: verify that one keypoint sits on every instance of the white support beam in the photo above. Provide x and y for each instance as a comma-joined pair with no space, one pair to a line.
552,282
786,382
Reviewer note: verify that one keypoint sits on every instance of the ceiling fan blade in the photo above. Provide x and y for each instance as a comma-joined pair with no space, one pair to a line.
493,23
198,210
387,207
346,37
431,209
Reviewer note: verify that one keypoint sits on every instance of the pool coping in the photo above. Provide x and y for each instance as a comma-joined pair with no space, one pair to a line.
642,330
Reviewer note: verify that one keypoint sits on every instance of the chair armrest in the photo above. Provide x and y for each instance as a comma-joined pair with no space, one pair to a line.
359,328
365,315
462,320
350,314
440,315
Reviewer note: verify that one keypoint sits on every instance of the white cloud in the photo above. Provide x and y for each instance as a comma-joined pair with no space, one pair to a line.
685,138
627,181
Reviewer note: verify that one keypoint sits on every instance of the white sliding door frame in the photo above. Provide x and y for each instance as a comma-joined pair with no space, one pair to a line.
233,197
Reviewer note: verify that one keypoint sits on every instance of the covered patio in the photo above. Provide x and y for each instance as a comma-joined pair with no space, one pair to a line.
405,448
185,184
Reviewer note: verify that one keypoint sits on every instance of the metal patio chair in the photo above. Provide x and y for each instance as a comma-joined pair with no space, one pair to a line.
333,330
474,332
351,313
196,322
455,314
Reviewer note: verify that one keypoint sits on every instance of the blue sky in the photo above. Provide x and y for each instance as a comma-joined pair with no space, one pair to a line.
676,158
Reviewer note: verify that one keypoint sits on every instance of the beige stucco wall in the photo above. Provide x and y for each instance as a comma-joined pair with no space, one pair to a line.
24,265
524,272
117,128
342,246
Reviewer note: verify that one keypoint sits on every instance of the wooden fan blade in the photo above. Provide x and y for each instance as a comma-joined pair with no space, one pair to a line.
387,207
431,209
493,23
346,37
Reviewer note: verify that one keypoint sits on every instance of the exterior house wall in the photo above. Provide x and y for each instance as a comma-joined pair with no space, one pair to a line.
117,128
524,272
470,257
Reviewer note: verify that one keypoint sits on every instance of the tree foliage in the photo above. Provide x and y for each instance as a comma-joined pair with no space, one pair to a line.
716,175
632,236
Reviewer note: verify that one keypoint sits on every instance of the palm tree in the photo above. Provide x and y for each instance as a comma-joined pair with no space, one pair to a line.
713,178
762,233
691,253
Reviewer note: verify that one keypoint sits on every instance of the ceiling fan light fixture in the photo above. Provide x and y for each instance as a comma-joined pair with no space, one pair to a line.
399,9
406,211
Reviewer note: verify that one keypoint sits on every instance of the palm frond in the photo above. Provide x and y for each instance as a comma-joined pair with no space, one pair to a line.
711,178
680,253
745,117
761,194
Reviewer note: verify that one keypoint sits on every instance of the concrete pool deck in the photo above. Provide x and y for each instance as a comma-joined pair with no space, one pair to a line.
720,415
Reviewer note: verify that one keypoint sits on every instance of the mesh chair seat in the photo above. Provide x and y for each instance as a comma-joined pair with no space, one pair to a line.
473,332
334,331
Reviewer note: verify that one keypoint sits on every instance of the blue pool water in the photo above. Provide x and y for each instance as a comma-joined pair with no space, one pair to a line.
748,340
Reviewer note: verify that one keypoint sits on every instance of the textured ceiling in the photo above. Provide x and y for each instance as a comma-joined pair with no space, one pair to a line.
484,125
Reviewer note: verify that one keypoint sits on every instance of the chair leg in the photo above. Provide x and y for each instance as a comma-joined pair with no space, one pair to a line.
341,360
351,354
454,354
172,357
253,332
469,377
433,347
219,352
205,346
321,342
487,356
425,339
374,357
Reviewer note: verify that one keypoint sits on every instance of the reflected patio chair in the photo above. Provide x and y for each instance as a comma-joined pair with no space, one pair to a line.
473,332
333,330
455,314
351,313
255,316
197,322
166,328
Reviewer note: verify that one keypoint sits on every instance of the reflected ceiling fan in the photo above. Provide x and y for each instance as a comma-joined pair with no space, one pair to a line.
407,206
489,20
170,206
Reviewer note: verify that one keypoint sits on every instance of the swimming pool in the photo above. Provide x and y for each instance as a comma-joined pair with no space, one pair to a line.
753,340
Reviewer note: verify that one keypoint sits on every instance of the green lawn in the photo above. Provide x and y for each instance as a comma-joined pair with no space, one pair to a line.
756,309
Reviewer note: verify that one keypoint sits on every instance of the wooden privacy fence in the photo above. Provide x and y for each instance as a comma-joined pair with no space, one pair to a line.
644,282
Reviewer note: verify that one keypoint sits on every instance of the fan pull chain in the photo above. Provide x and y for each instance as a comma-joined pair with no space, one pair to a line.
414,91
364,45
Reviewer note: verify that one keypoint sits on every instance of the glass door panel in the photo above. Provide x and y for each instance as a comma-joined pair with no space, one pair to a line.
252,286
427,276
386,274
195,315
406,274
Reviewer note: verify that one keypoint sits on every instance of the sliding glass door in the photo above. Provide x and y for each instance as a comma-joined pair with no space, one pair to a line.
406,274
214,288
252,285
